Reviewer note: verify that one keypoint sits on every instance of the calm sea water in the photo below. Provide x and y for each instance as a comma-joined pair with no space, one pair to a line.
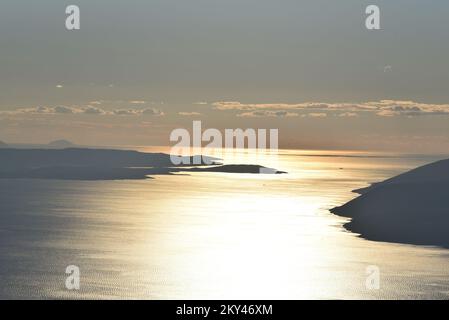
211,235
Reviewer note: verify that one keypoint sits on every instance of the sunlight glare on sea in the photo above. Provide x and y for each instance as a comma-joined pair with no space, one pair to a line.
211,235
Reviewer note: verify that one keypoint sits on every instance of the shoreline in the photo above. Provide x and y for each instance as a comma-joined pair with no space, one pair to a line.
411,208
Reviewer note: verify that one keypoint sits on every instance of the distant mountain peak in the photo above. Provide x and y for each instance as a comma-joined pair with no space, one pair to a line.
61,144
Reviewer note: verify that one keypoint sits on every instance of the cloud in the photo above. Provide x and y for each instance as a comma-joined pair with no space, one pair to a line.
391,108
88,110
37,110
189,114
62,109
93,110
383,108
55,110
348,114
42,110
235,105
201,103
315,115
137,102
152,112
134,112
126,112
268,113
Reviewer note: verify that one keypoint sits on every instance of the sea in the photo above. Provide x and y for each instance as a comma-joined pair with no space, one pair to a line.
206,235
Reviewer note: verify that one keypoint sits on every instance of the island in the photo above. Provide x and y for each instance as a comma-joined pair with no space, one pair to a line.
104,164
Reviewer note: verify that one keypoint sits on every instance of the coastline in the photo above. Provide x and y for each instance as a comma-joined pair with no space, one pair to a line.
411,208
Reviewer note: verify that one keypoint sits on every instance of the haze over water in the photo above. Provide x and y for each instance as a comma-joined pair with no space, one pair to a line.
211,235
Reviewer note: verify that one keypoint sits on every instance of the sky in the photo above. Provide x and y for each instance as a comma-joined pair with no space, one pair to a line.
136,70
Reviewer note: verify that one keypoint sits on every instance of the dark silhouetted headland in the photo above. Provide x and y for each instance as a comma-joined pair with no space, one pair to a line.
101,164
410,208
239,168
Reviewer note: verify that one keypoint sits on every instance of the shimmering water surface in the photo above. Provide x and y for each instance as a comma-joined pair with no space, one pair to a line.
211,235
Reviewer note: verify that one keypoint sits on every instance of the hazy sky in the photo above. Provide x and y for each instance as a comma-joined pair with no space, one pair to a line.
138,69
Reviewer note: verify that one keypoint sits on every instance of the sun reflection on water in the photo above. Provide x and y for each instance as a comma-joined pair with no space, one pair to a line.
219,235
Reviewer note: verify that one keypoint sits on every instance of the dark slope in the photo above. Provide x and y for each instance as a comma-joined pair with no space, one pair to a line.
98,164
410,208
